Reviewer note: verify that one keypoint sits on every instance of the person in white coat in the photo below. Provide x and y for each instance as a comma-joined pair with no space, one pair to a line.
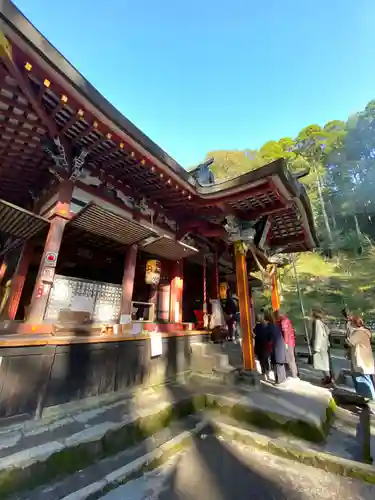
321,345
358,341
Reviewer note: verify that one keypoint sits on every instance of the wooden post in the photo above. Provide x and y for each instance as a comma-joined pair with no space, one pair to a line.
46,271
177,285
164,301
3,268
275,294
245,305
215,283
18,281
128,284
205,317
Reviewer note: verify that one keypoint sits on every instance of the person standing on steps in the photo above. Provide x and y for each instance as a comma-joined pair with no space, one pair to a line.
358,341
321,346
230,310
278,353
262,346
290,341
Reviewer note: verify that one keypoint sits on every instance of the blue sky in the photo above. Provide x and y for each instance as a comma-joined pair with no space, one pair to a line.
202,75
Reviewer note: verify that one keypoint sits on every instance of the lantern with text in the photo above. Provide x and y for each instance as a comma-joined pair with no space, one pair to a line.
153,270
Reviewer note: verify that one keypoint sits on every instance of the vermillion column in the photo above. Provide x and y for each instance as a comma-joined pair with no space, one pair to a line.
44,278
18,281
128,284
215,293
205,317
51,250
177,285
275,294
245,305
3,268
164,301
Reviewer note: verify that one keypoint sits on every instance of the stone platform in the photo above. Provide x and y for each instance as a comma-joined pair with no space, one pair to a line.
40,456
215,469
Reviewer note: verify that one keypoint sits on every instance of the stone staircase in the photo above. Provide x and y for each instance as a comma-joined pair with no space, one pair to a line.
87,450
223,361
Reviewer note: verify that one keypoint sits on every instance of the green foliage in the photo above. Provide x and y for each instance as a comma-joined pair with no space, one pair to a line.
331,284
341,159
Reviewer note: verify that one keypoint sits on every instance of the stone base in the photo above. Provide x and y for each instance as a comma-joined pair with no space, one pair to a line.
250,377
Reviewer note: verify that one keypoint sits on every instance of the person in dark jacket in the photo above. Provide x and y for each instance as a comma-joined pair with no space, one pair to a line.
230,310
278,353
262,346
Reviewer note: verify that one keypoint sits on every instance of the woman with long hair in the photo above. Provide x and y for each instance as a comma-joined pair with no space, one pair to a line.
361,357
278,352
321,346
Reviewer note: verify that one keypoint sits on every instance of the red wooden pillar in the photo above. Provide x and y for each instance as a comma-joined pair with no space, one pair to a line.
275,294
177,286
245,306
252,309
215,293
205,319
128,284
18,281
3,268
46,271
164,300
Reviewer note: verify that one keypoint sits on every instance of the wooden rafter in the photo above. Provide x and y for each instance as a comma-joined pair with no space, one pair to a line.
83,133
24,84
98,157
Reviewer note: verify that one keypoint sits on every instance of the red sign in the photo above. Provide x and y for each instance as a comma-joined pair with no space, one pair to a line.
50,259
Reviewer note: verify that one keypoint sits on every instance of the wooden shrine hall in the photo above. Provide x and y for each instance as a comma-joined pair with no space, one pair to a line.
105,238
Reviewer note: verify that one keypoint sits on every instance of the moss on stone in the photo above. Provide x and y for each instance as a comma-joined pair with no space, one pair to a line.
75,458
268,420
317,460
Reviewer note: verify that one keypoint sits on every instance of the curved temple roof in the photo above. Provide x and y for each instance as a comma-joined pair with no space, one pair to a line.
43,96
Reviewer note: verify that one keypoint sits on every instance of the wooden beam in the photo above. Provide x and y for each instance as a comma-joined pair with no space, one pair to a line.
72,120
292,240
97,158
24,84
238,196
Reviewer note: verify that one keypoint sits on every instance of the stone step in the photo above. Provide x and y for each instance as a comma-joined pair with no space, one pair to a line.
108,473
38,453
209,358
328,455
115,478
43,453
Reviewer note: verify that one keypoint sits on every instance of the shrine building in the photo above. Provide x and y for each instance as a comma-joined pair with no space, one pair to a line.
105,240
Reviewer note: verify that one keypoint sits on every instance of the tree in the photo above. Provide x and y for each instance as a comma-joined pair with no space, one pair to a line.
341,182
229,164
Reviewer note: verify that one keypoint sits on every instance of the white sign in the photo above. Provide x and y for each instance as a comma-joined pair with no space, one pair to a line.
156,344
47,274
82,303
